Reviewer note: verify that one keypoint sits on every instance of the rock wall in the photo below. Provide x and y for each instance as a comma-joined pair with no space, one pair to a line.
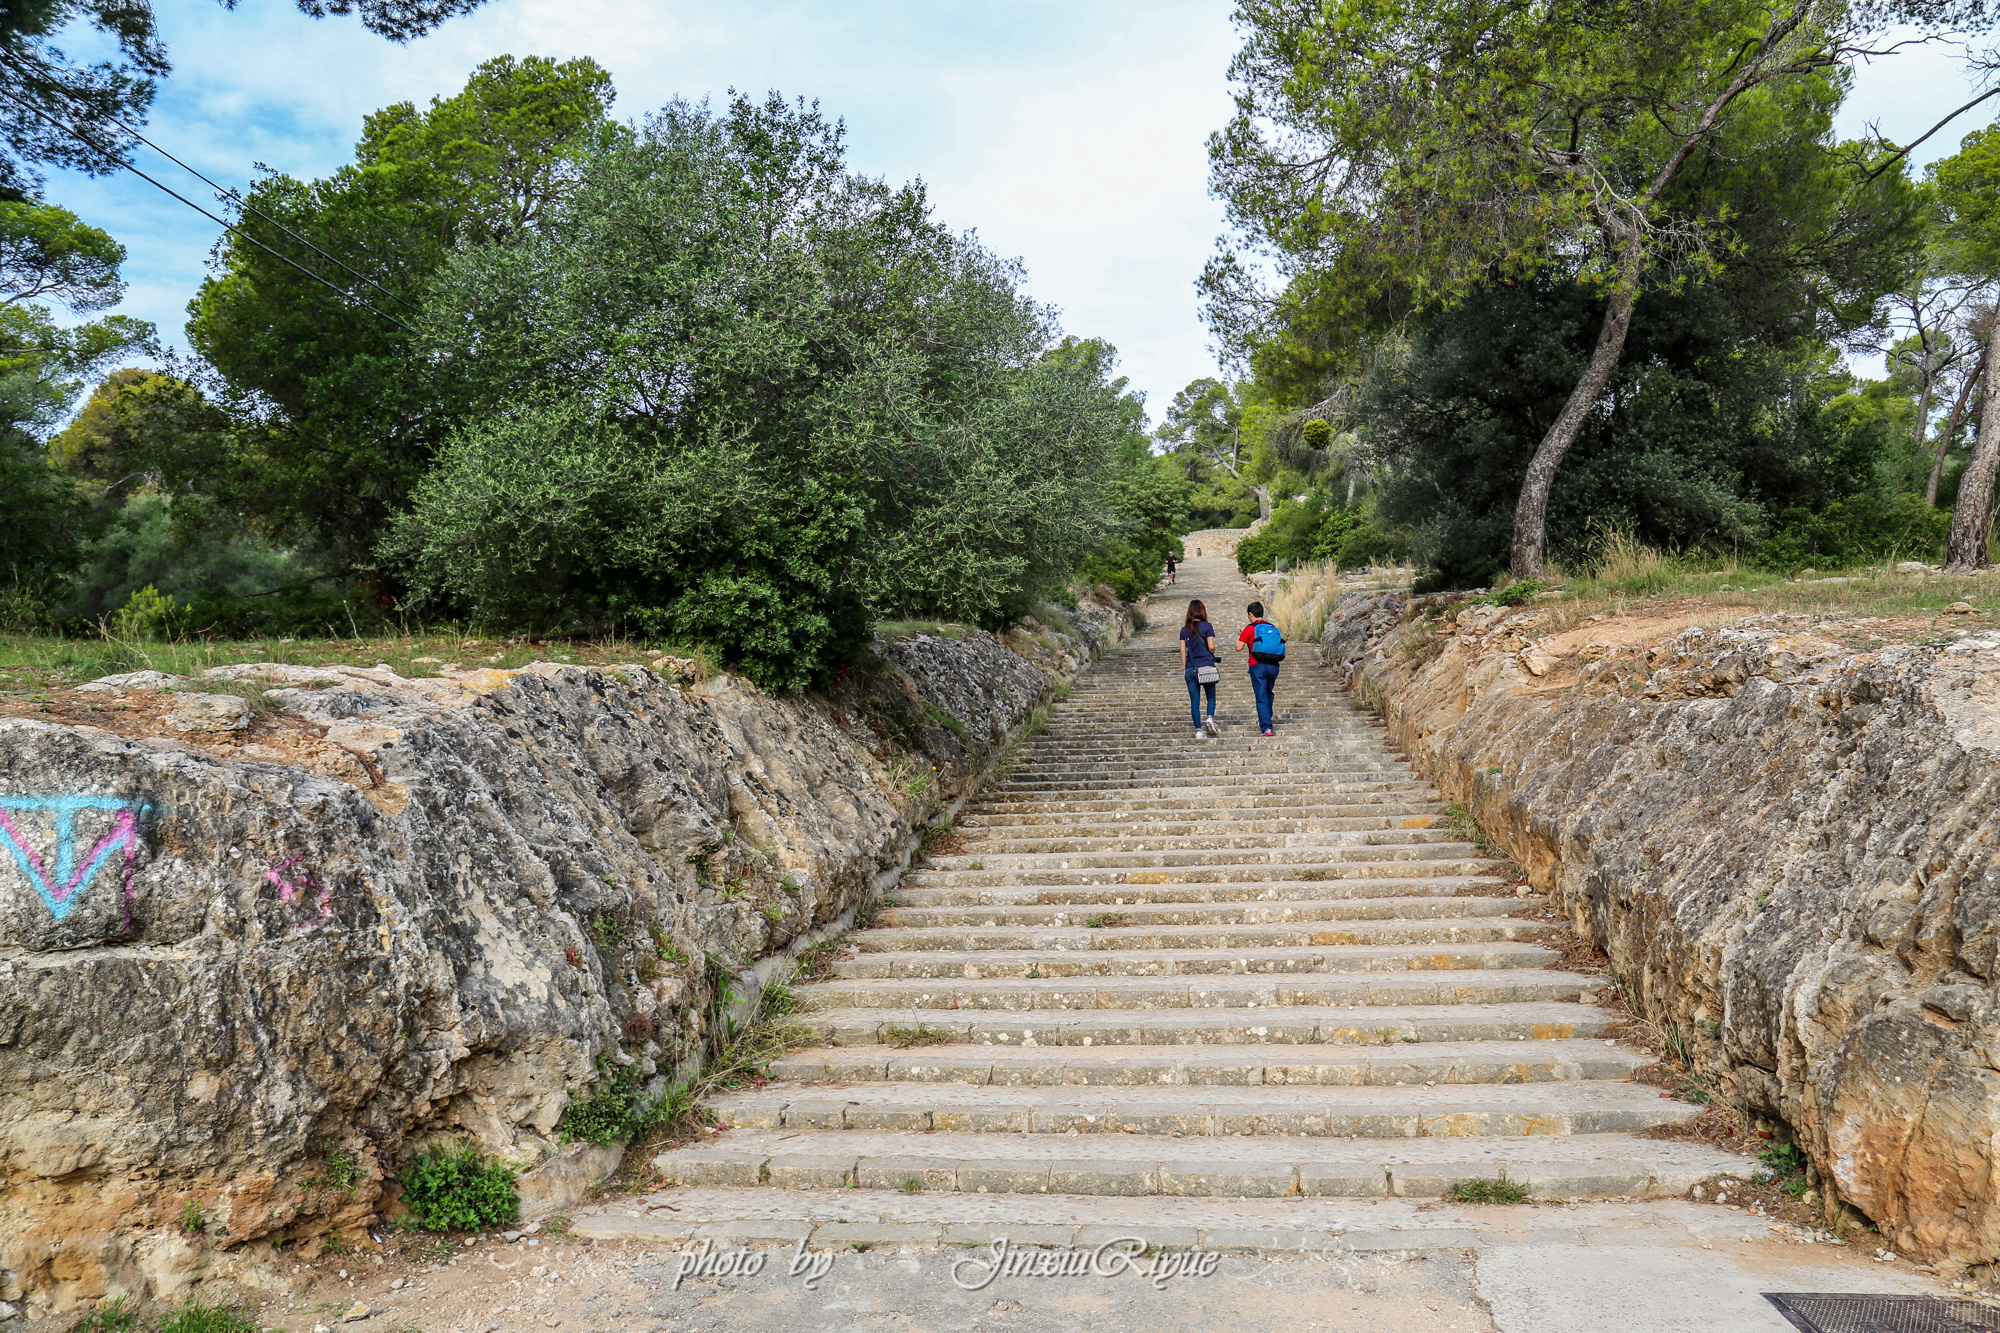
1789,848
1212,542
282,919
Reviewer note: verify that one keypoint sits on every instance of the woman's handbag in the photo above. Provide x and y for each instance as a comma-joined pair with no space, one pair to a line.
1207,675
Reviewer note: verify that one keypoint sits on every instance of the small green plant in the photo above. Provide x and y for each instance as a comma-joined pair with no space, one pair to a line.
859,1246
342,1172
114,1316
1784,1159
734,889
438,1253
975,865
1482,1189
611,1114
145,614
1515,593
664,946
779,998
911,1185
1034,974
1100,922
774,914
335,1244
1374,840
791,886
607,930
459,1190
192,1221
200,1317
920,1035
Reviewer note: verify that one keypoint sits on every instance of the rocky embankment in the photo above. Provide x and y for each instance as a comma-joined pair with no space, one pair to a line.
1788,846
262,929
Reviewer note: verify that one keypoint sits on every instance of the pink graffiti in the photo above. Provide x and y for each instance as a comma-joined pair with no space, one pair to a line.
59,891
291,892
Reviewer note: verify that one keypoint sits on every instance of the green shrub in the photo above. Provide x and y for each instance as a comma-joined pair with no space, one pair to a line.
197,1317
114,1316
612,1114
459,1190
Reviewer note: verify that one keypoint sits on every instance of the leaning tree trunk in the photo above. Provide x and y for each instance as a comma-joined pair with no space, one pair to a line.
1263,494
1531,514
1950,433
1965,549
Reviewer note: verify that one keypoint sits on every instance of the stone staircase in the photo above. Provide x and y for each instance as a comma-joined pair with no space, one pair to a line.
1237,968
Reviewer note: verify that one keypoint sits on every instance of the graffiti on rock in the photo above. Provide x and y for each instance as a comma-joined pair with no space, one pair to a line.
60,888
296,892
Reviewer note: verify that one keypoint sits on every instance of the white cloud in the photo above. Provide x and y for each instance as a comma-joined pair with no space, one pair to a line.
1070,135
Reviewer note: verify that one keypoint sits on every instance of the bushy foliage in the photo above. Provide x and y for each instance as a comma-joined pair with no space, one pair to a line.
458,1190
726,390
1709,438
613,1113
1317,528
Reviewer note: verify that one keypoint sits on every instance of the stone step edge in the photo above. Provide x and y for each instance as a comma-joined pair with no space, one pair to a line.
1129,1178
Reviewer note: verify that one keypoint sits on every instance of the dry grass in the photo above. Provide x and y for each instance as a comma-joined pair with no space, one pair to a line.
1629,578
33,663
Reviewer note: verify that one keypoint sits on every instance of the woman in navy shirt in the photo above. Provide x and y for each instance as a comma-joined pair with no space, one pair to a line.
1199,666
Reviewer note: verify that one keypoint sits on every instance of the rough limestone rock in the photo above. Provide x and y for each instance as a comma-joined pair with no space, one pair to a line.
1789,849
393,909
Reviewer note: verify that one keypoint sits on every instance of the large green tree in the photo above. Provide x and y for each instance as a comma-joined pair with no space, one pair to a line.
1403,154
726,390
320,415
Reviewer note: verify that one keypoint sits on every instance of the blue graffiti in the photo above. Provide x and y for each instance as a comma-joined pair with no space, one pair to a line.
59,890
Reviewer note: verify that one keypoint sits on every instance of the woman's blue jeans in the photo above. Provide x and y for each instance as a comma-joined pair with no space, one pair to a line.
1195,688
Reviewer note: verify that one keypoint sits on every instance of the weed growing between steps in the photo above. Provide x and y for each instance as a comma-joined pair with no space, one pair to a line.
1484,1190
117,1315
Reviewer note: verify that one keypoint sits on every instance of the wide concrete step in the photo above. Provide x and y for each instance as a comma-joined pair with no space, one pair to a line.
1523,1060
1183,823
1294,1025
1113,811
1088,994
1099,915
1576,1166
1254,935
1130,844
1242,868
1217,781
1459,1111
1264,891
1199,962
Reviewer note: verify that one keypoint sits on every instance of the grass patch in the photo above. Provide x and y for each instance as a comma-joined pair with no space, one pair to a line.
920,1035
30,663
1626,576
459,1190
910,629
116,1315
200,1317
1483,1190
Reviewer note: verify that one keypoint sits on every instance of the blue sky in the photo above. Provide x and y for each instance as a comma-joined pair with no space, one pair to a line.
1068,134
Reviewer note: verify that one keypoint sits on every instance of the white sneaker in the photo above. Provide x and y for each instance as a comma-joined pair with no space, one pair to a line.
1210,727
1200,735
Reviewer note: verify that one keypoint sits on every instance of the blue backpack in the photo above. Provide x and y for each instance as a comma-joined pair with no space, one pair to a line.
1267,645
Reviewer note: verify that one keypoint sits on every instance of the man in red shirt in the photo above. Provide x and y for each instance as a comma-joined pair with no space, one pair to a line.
1264,662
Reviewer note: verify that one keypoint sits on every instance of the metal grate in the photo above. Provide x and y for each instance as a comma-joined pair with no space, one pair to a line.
1828,1312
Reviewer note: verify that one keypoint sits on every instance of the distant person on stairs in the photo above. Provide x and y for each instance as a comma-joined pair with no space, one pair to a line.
1172,563
1266,647
1198,664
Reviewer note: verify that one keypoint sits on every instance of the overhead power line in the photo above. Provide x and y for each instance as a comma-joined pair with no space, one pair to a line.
222,192
118,159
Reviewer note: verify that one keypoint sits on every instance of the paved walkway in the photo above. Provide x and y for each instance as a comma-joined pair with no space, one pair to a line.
1242,995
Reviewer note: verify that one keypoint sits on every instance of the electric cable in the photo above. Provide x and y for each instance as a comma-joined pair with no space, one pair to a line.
117,160
221,192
